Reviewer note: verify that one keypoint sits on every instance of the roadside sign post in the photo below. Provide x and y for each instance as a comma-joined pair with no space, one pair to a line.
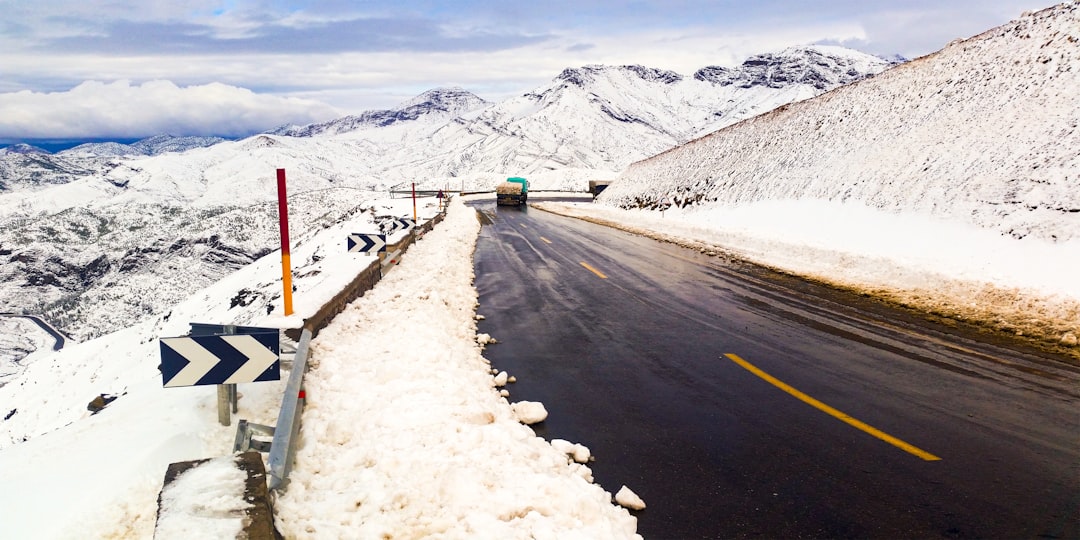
221,355
414,202
226,393
224,405
286,266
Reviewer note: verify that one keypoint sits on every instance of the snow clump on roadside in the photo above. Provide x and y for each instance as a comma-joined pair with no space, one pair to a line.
529,412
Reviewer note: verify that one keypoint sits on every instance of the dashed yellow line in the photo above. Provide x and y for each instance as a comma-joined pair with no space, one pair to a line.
593,270
545,240
833,412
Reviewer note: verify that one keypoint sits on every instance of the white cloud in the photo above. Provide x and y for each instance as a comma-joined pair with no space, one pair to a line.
123,109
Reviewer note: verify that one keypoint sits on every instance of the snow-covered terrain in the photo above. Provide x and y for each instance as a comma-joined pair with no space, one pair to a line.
100,236
948,182
21,342
150,146
978,143
406,430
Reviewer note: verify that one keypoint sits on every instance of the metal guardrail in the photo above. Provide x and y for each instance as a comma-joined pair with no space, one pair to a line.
283,447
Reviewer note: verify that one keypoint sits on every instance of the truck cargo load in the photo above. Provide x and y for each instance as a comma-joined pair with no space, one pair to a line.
513,192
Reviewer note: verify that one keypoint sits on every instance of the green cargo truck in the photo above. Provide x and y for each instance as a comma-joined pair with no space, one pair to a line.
513,192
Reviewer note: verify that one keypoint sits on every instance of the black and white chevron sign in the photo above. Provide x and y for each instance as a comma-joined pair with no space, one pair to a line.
367,243
227,359
403,224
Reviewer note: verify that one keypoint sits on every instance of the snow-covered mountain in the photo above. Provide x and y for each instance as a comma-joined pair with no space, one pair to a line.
598,118
820,66
23,149
983,132
151,146
27,167
23,166
100,235
437,105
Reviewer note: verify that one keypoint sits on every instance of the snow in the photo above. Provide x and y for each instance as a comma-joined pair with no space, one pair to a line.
206,501
404,431
529,412
405,434
21,342
579,452
629,499
1027,286
947,183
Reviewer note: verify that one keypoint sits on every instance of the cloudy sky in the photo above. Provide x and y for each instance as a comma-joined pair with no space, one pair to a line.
132,68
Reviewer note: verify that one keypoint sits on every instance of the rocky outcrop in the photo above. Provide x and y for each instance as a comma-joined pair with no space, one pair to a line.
821,67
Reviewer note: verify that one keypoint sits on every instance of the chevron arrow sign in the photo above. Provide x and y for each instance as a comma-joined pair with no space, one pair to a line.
367,243
227,359
403,224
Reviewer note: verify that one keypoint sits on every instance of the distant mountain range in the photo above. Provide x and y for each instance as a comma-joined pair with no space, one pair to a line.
440,104
150,146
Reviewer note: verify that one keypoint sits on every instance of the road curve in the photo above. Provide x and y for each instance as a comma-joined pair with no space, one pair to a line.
741,403
59,340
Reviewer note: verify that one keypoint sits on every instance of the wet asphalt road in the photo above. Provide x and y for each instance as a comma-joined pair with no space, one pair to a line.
657,358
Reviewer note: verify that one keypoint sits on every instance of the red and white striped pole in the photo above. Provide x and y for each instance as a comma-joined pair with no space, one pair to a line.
283,217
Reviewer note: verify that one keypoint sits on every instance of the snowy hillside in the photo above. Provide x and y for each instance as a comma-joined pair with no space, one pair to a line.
105,469
983,132
948,183
24,167
90,271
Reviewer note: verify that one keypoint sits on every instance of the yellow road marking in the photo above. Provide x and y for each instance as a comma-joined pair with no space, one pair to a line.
593,270
545,239
524,226
833,412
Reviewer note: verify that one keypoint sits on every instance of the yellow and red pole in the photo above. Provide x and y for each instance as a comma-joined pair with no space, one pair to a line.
283,217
